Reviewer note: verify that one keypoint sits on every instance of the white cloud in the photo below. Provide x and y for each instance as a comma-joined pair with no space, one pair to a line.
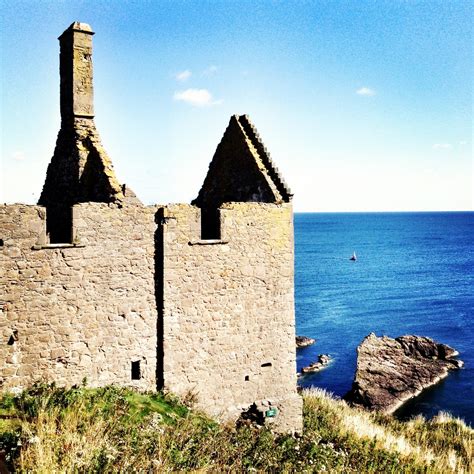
196,97
210,71
463,142
183,75
18,156
366,91
442,146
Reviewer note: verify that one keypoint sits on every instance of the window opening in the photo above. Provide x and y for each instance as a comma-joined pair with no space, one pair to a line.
247,378
267,364
136,372
210,224
1,242
13,338
59,224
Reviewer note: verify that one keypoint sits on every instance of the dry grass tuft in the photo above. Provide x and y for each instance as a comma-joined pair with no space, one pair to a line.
431,443
63,441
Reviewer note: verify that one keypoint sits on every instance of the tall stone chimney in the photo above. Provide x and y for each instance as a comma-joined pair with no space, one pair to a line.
80,170
75,69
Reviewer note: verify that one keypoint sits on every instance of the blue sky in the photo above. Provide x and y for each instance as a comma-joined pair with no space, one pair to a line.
364,105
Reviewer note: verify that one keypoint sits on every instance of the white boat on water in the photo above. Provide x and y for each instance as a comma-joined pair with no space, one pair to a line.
354,257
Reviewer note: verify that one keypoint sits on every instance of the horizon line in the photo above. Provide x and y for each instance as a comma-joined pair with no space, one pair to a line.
388,212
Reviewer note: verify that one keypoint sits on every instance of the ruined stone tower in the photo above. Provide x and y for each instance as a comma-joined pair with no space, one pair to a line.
187,297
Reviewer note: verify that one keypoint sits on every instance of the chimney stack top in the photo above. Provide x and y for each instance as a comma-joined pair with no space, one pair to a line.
78,26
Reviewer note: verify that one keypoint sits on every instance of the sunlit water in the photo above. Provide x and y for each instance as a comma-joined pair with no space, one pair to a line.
414,275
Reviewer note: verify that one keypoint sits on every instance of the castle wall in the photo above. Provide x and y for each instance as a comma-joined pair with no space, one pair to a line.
119,293
228,311
89,311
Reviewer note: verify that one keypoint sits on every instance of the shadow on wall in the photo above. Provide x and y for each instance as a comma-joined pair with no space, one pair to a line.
61,188
159,259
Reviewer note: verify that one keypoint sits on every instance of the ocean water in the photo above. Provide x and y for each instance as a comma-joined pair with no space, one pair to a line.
414,275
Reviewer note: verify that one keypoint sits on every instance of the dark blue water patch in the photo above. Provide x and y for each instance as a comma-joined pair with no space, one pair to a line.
414,275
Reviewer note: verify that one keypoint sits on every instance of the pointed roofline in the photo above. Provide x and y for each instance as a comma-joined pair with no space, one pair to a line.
242,169
272,170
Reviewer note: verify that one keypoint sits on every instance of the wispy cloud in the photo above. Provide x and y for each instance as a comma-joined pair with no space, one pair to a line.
463,142
210,71
196,97
18,156
366,91
442,146
183,75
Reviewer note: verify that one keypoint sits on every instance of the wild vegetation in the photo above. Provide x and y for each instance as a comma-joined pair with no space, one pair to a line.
48,429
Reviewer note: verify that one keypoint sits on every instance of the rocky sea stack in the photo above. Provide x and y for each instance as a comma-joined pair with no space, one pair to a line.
391,371
322,362
304,341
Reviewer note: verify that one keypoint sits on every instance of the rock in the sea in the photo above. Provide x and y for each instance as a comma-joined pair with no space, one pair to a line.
304,341
391,371
323,361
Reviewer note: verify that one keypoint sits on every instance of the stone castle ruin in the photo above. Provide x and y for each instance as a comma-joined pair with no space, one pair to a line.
191,298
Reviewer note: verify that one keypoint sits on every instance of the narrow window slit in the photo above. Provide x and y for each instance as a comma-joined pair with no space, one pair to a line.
13,338
267,364
136,371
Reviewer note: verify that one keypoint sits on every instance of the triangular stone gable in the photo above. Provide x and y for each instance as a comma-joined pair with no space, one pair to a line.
80,170
241,170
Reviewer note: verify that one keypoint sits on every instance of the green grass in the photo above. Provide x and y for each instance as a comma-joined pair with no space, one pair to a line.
113,429
141,405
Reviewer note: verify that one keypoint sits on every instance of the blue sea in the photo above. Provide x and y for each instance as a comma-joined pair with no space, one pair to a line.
414,275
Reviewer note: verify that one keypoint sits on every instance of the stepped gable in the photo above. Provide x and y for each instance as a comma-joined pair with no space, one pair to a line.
242,170
264,154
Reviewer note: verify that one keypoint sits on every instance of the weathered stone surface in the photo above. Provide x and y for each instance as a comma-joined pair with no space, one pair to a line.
220,302
59,301
304,341
391,371
322,362
75,67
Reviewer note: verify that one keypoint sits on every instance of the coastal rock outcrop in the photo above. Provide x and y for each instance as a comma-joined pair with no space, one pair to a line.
304,341
391,371
321,363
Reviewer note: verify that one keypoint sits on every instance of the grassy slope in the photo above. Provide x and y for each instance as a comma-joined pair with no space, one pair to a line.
112,429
